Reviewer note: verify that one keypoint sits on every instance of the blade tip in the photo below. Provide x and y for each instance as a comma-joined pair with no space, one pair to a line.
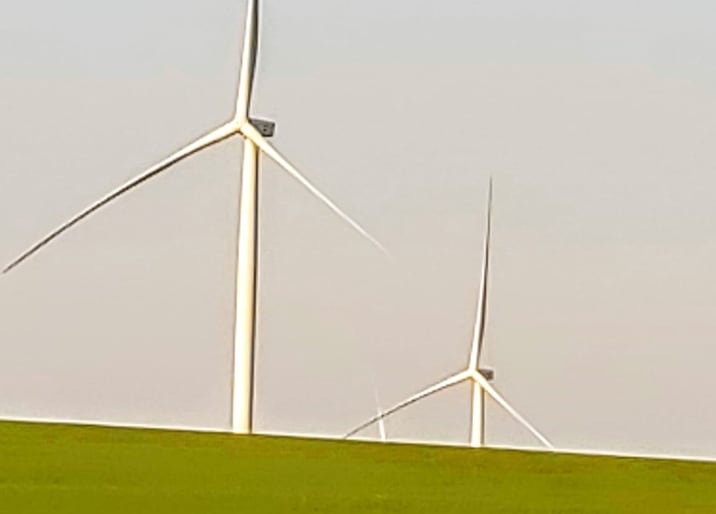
14,264
378,245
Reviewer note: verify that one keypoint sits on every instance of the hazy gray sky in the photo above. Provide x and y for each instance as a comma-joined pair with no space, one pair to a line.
595,118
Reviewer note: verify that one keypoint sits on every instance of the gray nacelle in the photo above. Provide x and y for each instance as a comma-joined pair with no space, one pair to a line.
489,374
265,127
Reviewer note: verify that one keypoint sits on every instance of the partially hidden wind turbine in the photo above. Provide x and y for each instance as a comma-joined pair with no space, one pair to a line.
255,134
381,422
479,378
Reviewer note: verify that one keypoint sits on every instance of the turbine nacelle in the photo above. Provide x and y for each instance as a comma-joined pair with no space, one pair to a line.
240,126
265,127
489,374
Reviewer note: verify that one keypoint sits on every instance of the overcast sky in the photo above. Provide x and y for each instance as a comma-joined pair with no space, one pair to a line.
596,120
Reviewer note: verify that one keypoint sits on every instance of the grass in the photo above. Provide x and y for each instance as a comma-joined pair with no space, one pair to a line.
75,469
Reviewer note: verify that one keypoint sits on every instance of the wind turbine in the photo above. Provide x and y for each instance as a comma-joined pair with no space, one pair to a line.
479,378
255,133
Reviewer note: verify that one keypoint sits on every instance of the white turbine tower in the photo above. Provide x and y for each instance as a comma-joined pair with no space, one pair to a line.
477,377
254,133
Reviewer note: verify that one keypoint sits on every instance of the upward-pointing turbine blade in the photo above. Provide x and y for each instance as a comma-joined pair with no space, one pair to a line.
250,132
205,141
248,60
478,336
448,382
511,410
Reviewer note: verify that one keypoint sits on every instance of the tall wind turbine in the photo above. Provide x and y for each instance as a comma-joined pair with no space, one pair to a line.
479,378
255,134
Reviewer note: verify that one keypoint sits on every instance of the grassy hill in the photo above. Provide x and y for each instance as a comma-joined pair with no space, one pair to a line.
73,469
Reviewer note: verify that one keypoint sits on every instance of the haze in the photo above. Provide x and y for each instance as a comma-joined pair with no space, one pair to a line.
595,119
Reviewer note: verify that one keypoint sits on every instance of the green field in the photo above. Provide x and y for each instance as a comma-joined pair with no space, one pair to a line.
73,469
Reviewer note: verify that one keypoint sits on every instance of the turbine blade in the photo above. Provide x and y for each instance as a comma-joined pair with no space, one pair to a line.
478,336
448,382
248,60
205,141
511,410
251,133
381,421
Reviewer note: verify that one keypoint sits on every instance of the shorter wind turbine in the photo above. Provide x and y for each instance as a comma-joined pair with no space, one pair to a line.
478,377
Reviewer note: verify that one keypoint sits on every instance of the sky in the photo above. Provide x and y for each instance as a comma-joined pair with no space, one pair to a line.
596,120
